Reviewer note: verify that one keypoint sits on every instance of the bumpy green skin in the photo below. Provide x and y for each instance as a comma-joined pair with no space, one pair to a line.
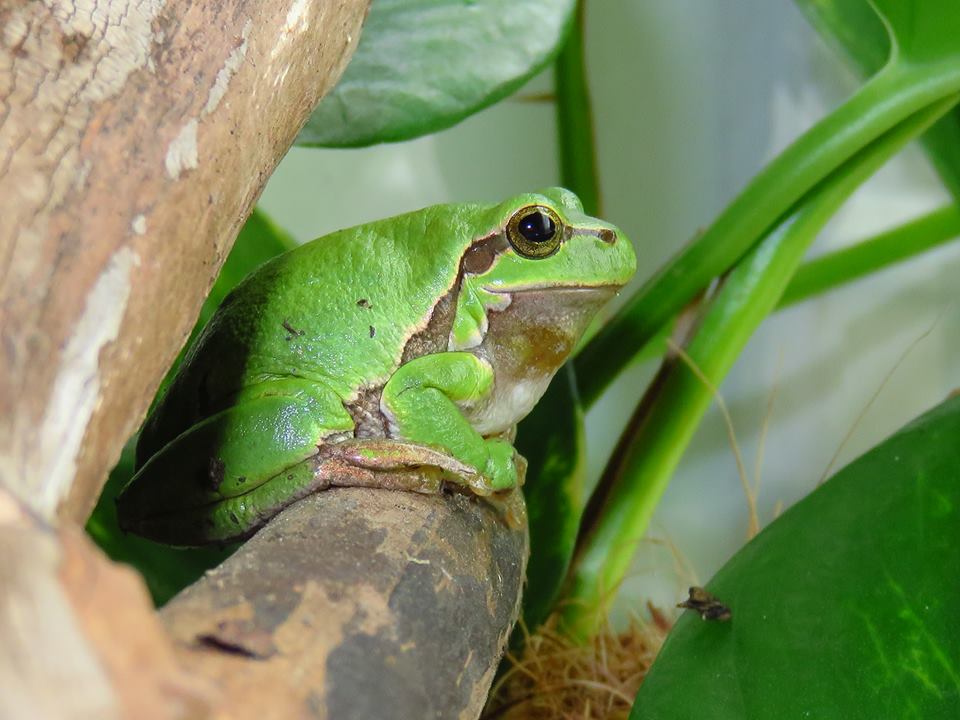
353,319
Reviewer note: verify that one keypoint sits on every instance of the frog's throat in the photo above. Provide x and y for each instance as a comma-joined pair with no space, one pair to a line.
525,343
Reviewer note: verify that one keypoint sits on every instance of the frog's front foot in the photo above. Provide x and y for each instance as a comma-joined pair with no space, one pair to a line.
500,472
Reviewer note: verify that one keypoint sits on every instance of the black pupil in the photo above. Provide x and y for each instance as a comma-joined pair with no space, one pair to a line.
537,227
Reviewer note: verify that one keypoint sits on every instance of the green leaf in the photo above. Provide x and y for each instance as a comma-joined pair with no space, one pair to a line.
167,570
576,140
852,27
855,29
844,607
552,440
924,31
424,65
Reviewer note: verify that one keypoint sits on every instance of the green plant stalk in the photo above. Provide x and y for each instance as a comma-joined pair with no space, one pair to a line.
887,99
846,265
749,294
575,135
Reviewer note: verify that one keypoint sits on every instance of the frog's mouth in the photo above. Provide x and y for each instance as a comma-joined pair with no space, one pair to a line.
602,291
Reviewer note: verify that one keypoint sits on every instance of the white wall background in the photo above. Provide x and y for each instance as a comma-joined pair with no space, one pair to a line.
692,98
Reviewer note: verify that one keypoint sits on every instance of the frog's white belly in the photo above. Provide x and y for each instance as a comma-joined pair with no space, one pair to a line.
509,405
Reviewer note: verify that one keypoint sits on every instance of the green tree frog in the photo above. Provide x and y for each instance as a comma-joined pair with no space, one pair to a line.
414,344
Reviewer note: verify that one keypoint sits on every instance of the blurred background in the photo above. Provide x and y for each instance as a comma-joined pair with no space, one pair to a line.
691,98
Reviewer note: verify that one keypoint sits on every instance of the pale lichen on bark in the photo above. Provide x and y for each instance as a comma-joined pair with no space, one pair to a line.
298,20
225,73
76,389
182,152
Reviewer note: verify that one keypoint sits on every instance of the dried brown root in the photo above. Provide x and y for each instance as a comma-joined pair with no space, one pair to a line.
556,678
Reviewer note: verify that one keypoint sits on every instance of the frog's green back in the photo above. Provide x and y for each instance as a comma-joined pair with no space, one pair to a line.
337,310
355,322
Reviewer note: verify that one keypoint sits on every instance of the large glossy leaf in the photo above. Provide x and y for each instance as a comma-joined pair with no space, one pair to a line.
845,607
165,569
552,440
424,65
854,27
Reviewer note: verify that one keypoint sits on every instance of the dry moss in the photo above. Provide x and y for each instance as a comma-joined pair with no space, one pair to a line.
555,678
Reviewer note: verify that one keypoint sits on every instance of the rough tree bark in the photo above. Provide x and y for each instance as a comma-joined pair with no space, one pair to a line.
399,607
135,136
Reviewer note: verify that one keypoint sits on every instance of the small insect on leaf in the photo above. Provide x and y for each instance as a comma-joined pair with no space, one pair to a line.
292,330
706,604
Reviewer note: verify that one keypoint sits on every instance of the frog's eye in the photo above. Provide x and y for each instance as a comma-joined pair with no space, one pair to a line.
535,231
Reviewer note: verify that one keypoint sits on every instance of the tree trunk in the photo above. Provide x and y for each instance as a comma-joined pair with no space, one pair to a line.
134,139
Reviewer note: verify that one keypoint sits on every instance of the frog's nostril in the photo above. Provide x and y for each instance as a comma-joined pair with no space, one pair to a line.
608,235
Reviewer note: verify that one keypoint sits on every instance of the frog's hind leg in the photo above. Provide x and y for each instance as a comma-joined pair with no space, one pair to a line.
372,463
239,516
387,464
268,429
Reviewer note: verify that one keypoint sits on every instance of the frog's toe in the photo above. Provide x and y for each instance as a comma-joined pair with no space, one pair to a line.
501,470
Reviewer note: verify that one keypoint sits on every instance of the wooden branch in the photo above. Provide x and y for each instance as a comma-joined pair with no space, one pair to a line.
358,603
135,136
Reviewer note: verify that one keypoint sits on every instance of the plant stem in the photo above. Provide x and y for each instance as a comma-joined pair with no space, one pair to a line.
576,140
617,519
846,265
886,100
